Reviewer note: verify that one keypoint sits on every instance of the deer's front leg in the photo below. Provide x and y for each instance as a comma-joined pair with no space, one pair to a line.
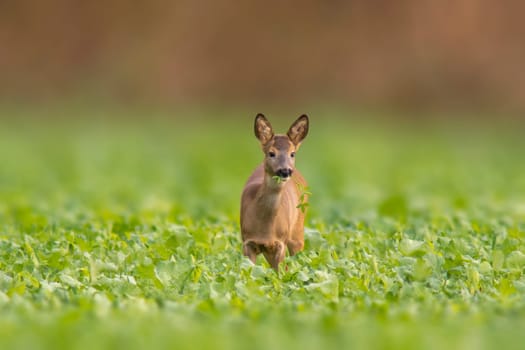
294,246
251,250
274,254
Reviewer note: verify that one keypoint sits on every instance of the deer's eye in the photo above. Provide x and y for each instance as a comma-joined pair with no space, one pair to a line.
292,154
271,154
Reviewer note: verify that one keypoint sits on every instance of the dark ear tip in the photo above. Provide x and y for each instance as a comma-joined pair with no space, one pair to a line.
259,115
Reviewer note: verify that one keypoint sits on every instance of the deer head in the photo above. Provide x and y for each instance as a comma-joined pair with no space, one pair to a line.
279,149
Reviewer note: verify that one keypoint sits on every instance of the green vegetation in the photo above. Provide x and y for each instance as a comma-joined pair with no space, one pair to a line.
125,235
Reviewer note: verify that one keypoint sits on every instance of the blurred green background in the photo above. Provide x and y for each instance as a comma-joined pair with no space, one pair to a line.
126,136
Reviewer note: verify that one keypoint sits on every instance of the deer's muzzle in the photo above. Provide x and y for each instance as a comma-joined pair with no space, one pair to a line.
284,173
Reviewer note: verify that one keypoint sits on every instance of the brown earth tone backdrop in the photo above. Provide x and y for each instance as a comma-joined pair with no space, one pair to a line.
407,54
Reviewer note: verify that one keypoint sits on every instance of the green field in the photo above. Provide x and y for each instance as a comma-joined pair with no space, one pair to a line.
124,234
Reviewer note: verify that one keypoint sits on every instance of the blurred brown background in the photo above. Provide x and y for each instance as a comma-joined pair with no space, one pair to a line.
406,54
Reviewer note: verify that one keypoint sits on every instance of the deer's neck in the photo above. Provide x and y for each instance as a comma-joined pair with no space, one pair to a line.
269,196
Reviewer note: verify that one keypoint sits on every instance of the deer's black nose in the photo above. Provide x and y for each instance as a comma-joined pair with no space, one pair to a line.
284,173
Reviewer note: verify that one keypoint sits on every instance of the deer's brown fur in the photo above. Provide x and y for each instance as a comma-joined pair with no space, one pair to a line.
271,220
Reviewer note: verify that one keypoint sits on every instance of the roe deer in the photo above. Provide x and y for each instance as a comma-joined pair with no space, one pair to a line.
272,202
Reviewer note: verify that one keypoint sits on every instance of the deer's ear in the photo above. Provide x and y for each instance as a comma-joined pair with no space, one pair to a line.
298,130
263,129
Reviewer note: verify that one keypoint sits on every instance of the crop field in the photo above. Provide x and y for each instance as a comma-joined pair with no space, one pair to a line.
123,233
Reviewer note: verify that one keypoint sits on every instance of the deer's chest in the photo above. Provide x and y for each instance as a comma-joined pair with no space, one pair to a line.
271,216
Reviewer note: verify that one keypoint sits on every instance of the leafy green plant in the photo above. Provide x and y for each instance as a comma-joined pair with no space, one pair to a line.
125,237
277,179
304,194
